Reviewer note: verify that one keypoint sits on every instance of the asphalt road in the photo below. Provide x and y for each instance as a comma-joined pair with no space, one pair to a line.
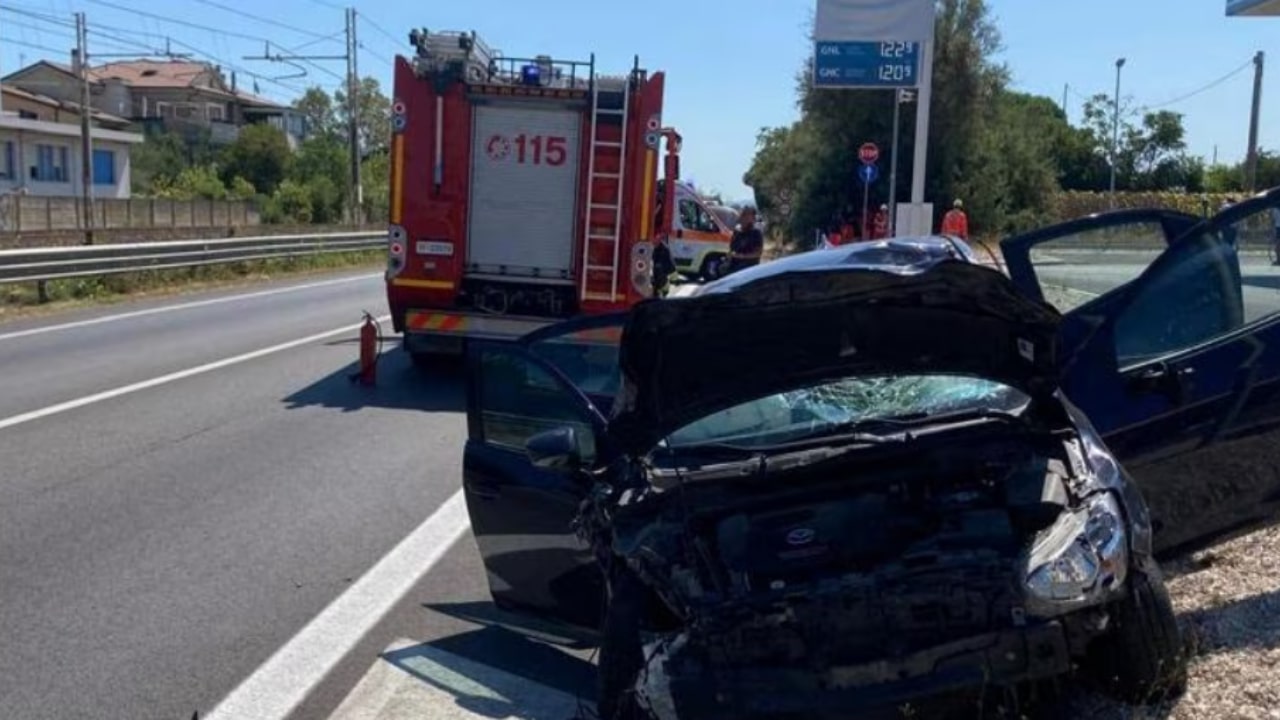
1073,277
161,544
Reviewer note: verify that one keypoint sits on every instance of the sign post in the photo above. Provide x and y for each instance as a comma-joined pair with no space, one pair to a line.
867,173
900,96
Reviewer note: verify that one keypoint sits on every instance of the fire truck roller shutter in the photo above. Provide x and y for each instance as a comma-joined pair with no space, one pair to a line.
524,190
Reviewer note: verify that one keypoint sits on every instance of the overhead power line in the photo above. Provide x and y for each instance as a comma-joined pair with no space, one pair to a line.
1206,88
194,50
176,21
32,46
55,32
376,56
51,19
380,29
267,21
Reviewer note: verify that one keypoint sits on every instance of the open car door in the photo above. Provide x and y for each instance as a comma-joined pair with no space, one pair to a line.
1174,355
561,376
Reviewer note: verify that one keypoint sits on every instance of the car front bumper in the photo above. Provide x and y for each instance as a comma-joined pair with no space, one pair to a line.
684,687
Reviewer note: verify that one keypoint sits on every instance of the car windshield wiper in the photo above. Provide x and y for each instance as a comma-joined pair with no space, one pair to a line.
896,428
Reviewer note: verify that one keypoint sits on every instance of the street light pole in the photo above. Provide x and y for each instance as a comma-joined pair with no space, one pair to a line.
1115,133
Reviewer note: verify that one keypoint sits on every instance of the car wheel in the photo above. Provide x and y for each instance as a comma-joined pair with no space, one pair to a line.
621,652
1143,659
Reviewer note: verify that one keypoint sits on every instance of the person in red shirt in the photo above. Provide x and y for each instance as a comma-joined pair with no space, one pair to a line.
880,223
848,233
955,222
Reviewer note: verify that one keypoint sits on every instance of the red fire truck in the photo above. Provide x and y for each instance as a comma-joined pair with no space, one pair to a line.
523,191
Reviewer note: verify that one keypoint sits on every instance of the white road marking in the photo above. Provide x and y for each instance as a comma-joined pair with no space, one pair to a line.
181,306
27,417
294,670
412,681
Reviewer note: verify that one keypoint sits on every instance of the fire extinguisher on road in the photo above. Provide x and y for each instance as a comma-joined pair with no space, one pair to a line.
370,349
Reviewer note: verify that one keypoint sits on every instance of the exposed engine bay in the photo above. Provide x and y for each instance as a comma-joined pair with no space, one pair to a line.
823,572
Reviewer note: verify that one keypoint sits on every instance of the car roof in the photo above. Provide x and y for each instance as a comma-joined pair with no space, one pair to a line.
892,255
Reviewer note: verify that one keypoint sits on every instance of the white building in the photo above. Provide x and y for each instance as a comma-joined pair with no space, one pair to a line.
40,157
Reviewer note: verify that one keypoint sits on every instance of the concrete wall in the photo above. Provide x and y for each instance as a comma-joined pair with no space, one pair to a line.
30,214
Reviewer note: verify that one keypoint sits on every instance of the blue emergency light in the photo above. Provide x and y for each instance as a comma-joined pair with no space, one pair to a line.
531,75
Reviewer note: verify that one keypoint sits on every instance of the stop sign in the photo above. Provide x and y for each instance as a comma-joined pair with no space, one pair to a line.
869,153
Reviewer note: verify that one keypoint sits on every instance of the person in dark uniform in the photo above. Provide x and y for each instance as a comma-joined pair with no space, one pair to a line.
747,244
664,267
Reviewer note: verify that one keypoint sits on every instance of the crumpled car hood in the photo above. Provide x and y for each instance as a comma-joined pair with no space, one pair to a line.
684,359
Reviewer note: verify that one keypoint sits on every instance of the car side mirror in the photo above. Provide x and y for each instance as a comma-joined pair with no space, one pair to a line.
555,450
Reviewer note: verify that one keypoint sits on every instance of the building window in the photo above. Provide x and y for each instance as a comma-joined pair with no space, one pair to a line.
51,163
104,167
164,110
186,111
27,115
6,160
216,112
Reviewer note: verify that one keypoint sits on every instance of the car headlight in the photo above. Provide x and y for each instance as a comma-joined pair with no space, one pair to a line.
1082,557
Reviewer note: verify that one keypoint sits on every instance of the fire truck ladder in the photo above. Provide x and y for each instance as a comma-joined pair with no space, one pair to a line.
595,234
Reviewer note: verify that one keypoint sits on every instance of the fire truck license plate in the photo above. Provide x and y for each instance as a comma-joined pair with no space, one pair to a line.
434,248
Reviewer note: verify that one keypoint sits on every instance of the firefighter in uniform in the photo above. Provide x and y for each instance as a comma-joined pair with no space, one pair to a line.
955,222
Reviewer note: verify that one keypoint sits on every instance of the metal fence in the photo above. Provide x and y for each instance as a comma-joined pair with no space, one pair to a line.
54,263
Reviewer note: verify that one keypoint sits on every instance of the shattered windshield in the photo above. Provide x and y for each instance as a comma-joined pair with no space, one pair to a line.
830,406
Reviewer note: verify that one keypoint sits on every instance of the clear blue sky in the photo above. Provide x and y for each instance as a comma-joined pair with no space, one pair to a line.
731,66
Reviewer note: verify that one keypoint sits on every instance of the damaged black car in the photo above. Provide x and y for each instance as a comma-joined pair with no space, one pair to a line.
859,478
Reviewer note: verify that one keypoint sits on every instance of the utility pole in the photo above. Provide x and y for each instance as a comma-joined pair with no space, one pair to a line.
353,116
924,101
1115,134
1251,163
900,96
86,127
354,194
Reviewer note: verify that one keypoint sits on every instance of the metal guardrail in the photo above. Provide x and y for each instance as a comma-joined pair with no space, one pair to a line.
56,263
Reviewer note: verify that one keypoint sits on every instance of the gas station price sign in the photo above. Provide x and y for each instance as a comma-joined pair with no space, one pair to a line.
889,64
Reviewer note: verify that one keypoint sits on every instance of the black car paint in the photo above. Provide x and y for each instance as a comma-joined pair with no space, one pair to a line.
815,319
1201,441
1196,429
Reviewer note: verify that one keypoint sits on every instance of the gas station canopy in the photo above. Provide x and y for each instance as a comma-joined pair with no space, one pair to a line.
1256,8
